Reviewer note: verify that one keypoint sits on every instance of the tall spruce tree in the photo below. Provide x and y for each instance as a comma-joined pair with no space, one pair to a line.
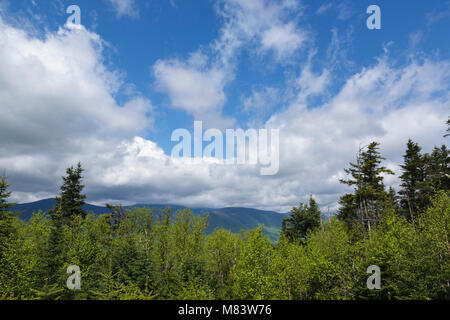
349,209
12,277
69,204
71,200
303,219
54,253
438,168
369,197
423,175
5,206
7,228
412,178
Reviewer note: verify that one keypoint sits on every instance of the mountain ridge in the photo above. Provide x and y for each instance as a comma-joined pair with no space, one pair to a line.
234,219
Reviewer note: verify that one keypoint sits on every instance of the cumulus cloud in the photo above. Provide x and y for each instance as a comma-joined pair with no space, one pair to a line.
259,25
59,86
57,103
381,103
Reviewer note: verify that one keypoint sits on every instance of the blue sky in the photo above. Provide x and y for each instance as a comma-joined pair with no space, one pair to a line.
311,69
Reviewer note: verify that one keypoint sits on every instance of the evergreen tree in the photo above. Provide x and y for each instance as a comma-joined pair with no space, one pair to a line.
303,219
5,214
131,249
54,252
349,210
412,178
422,176
4,195
393,199
70,200
69,205
9,264
438,169
369,195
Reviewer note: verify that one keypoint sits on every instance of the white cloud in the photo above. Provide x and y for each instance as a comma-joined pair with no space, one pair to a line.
343,9
315,144
311,84
197,85
61,85
259,25
57,104
381,103
324,8
189,87
284,40
261,103
58,107
338,49
125,8
438,14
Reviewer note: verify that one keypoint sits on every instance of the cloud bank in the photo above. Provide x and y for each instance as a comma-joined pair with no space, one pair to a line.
58,105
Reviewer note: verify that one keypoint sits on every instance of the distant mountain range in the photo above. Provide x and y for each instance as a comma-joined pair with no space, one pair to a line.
233,219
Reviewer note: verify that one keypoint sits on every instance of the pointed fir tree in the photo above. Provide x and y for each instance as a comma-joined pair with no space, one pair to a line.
7,229
6,216
71,200
438,168
369,197
303,219
8,235
412,178
349,209
393,199
54,253
5,205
